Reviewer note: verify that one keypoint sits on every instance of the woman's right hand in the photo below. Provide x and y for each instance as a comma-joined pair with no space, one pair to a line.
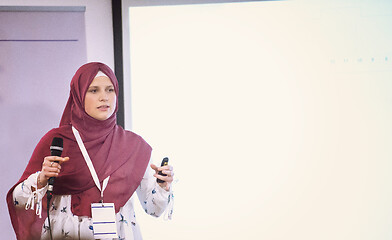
50,168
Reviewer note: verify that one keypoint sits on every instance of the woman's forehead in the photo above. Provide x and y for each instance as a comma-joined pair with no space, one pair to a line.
101,81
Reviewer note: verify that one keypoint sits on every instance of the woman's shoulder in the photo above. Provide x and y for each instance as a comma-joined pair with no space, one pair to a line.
60,132
134,136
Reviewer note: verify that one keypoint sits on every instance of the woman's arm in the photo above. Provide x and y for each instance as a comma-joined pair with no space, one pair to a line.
26,194
153,198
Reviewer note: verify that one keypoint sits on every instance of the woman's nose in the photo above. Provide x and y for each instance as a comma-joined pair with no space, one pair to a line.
103,97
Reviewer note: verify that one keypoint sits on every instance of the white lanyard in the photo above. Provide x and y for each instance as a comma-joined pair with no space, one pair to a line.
89,163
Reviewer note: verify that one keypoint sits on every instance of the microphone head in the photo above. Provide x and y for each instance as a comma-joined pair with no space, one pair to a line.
57,147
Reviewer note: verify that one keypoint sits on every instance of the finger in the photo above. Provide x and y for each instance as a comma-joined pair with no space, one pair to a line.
163,169
167,167
168,179
168,173
50,165
48,172
168,186
49,169
48,175
47,163
154,167
160,177
53,158
55,165
56,159
60,159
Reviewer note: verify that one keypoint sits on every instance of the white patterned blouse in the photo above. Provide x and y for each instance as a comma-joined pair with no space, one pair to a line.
65,225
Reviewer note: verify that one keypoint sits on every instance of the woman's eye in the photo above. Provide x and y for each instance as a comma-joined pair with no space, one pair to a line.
111,89
93,90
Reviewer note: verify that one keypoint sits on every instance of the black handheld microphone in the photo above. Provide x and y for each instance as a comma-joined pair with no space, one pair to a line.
55,150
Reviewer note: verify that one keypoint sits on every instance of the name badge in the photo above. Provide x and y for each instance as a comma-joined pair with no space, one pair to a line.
104,220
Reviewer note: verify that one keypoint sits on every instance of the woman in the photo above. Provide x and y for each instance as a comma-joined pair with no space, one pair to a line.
119,159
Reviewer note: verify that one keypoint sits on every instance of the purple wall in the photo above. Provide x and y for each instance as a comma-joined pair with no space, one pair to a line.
39,53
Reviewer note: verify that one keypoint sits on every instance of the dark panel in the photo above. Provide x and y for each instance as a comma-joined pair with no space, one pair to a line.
118,57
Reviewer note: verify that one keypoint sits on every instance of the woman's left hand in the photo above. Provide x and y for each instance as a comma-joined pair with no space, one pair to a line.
168,170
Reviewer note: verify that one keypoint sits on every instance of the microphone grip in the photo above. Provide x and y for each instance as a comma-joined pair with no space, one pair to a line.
51,181
56,149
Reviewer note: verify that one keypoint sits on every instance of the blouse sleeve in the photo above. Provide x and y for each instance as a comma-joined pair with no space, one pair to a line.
153,198
27,195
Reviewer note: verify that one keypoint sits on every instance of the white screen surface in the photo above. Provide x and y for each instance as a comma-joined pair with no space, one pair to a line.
275,115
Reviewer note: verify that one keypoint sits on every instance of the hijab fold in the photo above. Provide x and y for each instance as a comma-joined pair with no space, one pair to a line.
115,152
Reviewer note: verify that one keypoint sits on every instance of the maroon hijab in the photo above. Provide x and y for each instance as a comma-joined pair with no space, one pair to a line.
115,152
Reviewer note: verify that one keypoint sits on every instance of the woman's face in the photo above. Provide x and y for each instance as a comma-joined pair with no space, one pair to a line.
100,99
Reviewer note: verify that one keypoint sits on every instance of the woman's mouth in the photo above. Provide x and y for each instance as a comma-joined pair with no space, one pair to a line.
103,107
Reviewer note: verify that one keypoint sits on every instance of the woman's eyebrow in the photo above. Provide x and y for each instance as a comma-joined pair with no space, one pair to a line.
108,86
